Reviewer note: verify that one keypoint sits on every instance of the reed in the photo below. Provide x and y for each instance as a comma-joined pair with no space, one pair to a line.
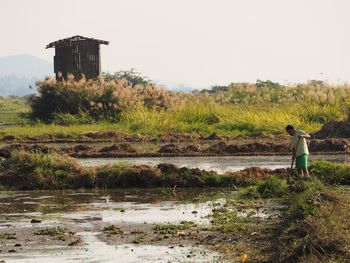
71,108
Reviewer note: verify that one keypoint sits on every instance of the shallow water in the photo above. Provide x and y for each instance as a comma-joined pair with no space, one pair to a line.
131,206
94,250
97,208
219,164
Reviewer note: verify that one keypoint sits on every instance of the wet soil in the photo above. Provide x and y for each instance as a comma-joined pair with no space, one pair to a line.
113,136
162,220
334,129
241,146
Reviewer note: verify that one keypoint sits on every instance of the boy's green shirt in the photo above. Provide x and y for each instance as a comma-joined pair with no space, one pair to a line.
302,146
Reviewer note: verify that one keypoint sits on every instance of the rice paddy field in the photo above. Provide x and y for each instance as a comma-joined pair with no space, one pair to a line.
94,171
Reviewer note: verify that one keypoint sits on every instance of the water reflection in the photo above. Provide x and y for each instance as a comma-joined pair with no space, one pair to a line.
219,164
120,205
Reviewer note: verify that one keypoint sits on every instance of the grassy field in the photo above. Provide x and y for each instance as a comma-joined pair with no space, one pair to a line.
312,225
189,119
11,109
236,109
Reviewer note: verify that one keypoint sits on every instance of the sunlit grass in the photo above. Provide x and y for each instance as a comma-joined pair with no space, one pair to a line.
191,118
11,109
239,109
60,131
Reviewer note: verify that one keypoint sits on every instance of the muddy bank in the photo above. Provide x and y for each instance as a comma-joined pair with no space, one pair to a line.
6,151
124,149
28,170
334,129
330,145
114,136
15,240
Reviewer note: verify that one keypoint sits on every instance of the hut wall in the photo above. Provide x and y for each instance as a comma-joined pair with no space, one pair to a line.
80,57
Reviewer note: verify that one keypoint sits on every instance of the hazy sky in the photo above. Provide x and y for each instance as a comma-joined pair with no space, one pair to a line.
197,43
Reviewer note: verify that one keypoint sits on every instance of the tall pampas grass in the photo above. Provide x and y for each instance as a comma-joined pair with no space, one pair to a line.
100,99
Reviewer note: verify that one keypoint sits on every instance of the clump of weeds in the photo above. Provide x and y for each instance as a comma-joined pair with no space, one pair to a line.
112,230
7,235
57,232
173,229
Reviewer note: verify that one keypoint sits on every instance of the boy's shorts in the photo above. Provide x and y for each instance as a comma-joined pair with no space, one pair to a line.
301,161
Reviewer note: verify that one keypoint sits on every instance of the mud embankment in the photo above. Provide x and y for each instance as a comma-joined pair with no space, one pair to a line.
114,136
334,129
29,171
221,148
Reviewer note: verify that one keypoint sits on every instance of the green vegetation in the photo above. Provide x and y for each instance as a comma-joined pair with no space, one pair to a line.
173,229
59,131
132,76
331,173
98,100
112,230
28,171
57,232
13,109
226,220
72,108
315,228
272,187
7,235
31,170
140,239
126,176
313,225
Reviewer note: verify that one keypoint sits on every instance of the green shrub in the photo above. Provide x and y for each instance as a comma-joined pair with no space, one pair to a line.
272,187
316,228
27,171
126,176
132,76
172,229
67,119
99,99
250,192
300,204
56,232
331,173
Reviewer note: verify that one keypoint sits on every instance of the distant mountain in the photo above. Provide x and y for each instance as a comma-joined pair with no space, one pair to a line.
19,72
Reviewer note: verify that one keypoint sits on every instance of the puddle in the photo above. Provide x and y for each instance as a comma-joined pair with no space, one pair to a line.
94,250
164,212
128,206
88,212
220,164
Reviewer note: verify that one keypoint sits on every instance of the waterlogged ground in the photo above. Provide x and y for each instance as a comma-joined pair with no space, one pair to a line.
219,164
134,225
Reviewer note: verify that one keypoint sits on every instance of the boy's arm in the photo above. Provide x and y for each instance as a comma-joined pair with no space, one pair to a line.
304,135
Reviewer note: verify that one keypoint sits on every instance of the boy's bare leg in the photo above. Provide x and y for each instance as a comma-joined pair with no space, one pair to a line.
306,172
300,172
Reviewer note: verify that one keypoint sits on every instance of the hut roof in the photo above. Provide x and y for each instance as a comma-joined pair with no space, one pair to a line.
68,41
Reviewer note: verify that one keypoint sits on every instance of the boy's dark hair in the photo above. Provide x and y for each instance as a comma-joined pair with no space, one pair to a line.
289,127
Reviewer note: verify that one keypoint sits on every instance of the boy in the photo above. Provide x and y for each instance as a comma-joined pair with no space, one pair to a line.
299,149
